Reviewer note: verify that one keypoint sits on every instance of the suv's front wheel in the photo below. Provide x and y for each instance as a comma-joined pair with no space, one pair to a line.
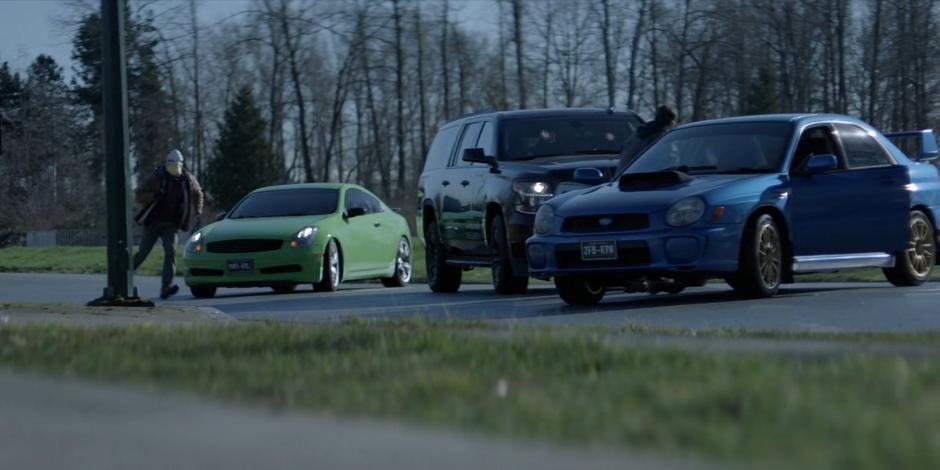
504,281
442,277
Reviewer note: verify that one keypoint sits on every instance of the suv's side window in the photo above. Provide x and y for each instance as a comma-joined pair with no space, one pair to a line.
357,198
441,148
467,141
861,149
816,140
487,140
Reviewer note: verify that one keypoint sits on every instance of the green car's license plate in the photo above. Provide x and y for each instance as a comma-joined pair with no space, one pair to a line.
594,250
241,265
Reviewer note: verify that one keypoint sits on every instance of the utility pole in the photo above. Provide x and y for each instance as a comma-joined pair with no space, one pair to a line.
120,289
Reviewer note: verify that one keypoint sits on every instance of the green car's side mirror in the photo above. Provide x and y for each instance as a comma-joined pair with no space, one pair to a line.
355,212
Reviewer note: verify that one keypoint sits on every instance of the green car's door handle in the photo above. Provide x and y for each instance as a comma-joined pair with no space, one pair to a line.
377,224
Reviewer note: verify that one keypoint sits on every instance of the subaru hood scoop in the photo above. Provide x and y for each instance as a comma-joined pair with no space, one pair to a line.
629,181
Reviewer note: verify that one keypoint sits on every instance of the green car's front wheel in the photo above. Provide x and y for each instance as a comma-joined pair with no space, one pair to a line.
332,268
402,274
202,292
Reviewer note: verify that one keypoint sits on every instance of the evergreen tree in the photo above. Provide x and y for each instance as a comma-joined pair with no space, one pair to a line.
242,159
763,97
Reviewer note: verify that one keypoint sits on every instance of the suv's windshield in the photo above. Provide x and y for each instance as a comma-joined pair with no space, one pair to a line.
745,147
526,139
287,202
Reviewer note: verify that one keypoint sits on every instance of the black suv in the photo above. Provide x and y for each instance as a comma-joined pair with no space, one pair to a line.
486,175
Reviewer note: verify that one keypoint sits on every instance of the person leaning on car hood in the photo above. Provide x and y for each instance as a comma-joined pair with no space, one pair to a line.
171,198
646,134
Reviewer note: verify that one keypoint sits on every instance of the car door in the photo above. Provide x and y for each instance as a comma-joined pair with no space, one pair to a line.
358,237
476,176
457,203
385,236
839,212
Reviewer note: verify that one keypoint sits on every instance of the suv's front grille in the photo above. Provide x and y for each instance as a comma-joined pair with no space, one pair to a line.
605,223
243,246
629,253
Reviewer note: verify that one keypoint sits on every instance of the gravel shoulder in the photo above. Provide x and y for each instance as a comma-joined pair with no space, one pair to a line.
74,314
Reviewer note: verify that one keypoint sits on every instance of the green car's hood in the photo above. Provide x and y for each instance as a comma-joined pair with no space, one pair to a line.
267,227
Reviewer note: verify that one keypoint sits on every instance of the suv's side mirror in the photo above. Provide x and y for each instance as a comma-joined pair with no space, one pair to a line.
478,156
821,163
355,212
220,216
589,176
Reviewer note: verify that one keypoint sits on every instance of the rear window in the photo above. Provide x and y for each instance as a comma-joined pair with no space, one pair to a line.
441,148
528,139
286,203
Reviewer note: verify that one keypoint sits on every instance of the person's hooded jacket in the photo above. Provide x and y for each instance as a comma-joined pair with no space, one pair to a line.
645,136
151,192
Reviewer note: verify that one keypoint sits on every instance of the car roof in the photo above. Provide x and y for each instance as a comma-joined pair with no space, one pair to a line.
304,186
796,118
546,112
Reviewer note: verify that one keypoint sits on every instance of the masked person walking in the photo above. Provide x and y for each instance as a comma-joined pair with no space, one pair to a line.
171,198
646,134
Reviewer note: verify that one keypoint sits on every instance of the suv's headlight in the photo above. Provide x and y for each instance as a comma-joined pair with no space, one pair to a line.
544,220
304,237
530,195
686,212
194,244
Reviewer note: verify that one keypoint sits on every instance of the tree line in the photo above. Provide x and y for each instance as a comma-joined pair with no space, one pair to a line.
353,91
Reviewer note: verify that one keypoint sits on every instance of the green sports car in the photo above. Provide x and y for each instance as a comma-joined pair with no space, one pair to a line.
282,236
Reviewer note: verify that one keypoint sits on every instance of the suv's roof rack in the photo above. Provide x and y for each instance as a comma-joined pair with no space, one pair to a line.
475,113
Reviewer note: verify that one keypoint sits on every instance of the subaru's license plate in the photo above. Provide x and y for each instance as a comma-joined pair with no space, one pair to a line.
241,265
598,250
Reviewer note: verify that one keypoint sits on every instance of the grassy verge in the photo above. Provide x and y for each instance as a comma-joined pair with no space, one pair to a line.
851,411
79,259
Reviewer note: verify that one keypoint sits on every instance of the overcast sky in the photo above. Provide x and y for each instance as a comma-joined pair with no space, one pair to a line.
32,27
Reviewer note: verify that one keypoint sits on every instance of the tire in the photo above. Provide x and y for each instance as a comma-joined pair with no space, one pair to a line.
403,270
332,268
203,292
912,267
284,288
760,270
504,281
578,291
442,277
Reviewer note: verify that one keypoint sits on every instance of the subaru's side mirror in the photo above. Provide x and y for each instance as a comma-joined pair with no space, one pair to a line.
589,176
355,212
478,156
221,216
821,163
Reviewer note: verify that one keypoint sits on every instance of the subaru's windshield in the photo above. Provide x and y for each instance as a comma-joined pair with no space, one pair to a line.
741,147
286,203
531,138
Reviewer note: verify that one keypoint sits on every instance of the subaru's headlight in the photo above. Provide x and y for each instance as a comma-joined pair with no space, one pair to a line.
194,244
530,195
304,237
686,212
544,220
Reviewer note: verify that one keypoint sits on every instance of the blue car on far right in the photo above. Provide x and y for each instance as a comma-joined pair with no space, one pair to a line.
753,200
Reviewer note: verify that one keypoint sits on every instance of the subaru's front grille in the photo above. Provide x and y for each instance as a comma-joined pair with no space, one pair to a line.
605,223
243,246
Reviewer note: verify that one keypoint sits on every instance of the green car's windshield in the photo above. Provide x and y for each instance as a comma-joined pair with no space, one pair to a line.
741,147
531,138
286,203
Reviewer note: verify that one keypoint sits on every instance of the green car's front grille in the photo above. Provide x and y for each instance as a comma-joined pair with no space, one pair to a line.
244,246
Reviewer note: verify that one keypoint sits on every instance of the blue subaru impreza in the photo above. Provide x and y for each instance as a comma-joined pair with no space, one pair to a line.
753,200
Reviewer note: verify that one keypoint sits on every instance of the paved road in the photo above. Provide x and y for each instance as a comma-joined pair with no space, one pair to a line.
67,423
802,307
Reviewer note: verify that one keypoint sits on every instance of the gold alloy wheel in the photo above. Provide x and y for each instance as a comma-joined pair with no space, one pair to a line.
920,247
768,255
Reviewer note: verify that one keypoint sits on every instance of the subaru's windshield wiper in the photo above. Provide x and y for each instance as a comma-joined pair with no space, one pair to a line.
687,168
533,157
746,170
598,152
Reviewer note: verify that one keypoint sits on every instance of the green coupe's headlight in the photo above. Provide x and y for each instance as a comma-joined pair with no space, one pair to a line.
304,237
194,244
686,212
544,220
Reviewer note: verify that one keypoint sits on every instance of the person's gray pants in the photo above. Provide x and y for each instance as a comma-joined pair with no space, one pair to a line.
166,233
